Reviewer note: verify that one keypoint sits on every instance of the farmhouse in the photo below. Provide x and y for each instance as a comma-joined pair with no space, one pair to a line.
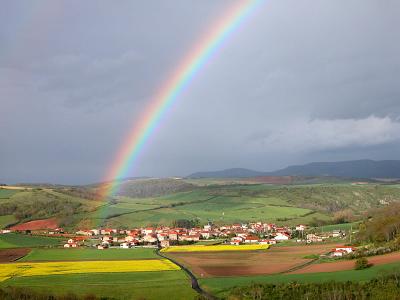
301,227
280,236
251,239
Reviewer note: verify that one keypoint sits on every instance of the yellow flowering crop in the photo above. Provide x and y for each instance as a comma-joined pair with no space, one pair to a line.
10,270
211,248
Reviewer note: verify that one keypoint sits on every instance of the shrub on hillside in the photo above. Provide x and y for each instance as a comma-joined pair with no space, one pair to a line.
361,264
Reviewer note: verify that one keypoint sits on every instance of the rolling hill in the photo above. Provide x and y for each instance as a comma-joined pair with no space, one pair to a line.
368,169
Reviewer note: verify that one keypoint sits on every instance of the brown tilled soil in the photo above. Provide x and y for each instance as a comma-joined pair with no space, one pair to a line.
8,255
37,224
242,263
348,264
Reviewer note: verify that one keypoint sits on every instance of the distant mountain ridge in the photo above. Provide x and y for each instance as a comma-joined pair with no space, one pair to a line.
351,169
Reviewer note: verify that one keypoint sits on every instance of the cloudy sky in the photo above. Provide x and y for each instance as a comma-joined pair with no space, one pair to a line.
299,81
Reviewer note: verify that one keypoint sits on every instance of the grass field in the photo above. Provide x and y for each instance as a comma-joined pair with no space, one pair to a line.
222,201
81,254
220,285
344,226
214,248
6,193
7,220
14,240
137,285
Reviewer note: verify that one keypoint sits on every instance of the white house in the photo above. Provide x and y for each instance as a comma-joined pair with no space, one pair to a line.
282,236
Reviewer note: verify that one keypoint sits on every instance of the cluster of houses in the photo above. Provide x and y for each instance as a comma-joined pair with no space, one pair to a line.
235,234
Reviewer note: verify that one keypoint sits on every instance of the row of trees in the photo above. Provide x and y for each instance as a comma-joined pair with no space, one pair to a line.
17,293
387,287
382,225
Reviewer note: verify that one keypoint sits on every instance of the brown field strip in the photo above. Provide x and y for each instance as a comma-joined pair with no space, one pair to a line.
37,225
348,264
9,255
242,263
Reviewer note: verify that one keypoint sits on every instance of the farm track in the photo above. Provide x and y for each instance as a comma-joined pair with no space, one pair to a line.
195,283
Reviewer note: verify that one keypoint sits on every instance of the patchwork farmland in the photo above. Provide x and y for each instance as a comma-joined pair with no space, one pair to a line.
223,233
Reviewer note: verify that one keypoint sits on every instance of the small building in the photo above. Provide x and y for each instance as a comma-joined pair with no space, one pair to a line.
125,245
280,236
251,239
164,244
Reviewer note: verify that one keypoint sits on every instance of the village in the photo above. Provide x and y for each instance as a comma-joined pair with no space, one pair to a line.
163,237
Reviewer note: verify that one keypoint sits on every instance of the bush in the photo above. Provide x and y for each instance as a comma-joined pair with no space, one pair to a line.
362,263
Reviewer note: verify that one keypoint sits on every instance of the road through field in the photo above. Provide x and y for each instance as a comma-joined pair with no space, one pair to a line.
195,283
248,263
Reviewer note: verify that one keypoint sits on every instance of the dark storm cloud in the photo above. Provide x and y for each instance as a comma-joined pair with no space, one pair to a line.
299,81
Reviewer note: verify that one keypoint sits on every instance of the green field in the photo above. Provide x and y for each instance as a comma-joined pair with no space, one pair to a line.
344,227
220,201
221,285
14,240
141,285
7,220
5,193
88,254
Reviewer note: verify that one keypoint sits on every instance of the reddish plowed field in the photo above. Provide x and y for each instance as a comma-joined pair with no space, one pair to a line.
348,264
37,224
8,255
241,263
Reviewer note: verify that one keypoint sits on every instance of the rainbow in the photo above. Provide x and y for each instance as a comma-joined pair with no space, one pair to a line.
173,87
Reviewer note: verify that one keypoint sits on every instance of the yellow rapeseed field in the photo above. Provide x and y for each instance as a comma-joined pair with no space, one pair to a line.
211,248
9,270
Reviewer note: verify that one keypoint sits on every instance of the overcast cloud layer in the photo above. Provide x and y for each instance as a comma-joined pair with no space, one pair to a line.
300,81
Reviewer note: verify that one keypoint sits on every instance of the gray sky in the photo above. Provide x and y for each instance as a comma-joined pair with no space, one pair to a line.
300,81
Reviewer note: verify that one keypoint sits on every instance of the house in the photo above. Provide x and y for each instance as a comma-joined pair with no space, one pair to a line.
251,239
301,227
129,238
205,234
312,238
236,241
280,236
347,249
337,233
162,236
164,244
125,245
173,235
338,253
268,242
148,231
150,238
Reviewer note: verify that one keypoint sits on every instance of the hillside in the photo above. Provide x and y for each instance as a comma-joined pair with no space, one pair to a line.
367,169
163,201
354,169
